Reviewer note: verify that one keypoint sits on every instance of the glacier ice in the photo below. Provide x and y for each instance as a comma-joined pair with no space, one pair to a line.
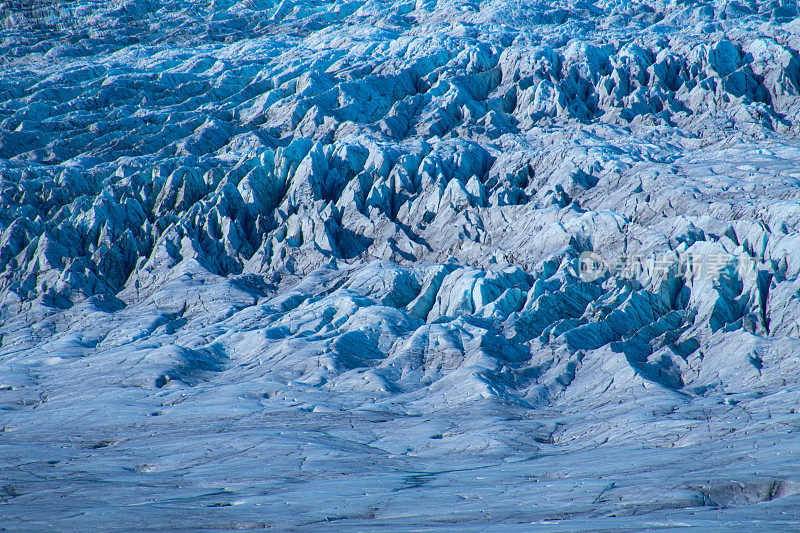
308,264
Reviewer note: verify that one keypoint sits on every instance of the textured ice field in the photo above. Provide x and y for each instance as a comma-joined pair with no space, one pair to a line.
393,265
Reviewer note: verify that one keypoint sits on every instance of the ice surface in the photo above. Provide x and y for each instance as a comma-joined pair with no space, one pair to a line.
313,264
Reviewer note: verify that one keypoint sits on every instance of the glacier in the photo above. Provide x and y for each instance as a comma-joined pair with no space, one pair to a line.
385,265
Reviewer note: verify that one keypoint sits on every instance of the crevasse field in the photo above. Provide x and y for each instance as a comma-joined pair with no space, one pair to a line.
384,265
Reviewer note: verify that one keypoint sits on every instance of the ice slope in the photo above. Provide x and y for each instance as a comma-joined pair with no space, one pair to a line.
321,264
